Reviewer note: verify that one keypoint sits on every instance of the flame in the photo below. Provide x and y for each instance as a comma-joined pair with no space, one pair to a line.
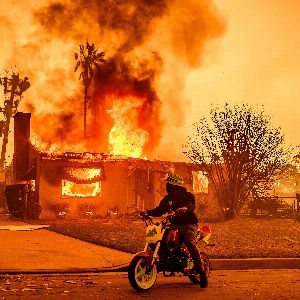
84,173
80,190
56,148
200,182
70,188
126,137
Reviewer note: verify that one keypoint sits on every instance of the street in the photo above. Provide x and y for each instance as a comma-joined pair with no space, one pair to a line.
246,284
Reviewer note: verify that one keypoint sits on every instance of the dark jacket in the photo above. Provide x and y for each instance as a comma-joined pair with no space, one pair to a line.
181,198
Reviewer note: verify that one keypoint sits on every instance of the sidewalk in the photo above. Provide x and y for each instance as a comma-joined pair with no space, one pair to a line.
41,250
28,249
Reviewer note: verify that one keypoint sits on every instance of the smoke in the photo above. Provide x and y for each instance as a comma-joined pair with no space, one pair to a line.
149,45
131,21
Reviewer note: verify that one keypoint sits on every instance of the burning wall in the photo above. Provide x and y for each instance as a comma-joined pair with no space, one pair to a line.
136,94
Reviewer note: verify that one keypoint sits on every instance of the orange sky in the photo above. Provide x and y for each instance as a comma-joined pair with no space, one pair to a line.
256,60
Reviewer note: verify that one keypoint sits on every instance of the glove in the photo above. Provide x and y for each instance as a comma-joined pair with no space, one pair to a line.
144,213
181,210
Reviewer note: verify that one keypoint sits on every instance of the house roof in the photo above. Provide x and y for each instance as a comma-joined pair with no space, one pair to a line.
94,159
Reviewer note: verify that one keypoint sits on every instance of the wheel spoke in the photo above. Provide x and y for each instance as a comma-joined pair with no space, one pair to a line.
140,271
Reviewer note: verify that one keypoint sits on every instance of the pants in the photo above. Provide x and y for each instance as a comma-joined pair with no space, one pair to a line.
188,231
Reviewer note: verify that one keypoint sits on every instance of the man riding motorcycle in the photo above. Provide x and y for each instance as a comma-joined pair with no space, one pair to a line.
179,200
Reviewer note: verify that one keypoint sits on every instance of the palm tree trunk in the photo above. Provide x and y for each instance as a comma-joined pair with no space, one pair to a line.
85,111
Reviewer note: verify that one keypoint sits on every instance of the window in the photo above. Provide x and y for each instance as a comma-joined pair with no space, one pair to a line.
200,182
81,182
70,188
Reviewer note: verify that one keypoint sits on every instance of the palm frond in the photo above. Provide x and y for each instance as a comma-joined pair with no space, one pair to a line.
77,65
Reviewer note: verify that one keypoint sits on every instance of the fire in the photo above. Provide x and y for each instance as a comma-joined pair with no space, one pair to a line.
80,190
200,182
80,185
149,46
83,173
38,143
126,137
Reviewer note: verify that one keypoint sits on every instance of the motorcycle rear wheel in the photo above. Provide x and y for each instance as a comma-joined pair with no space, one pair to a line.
139,277
202,277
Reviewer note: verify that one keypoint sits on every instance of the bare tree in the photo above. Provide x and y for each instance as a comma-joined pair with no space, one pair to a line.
87,58
14,87
238,148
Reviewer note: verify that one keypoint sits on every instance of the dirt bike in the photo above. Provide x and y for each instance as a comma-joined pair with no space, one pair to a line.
165,252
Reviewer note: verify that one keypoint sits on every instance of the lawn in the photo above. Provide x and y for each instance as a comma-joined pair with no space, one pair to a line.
239,238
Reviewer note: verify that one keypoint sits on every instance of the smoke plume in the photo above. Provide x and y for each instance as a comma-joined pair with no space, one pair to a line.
149,46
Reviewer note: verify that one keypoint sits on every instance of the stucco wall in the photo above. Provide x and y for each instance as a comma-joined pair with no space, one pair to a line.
49,186
114,187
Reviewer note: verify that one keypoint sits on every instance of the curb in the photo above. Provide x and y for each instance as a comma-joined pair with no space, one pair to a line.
215,264
62,271
255,263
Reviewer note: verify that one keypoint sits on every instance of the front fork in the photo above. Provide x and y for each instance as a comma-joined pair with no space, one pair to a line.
155,252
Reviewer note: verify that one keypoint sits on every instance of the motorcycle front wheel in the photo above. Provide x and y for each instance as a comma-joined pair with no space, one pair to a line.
202,277
140,277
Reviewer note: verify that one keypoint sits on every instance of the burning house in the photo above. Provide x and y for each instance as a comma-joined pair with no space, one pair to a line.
131,101
73,184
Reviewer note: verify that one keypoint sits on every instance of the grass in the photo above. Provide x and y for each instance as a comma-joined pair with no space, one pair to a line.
239,238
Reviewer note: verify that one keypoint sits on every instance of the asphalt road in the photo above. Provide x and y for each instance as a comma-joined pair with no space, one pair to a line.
229,284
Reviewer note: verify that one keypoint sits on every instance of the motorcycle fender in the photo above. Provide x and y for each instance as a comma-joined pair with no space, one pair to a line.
148,255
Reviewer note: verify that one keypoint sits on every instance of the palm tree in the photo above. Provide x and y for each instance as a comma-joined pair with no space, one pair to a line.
87,58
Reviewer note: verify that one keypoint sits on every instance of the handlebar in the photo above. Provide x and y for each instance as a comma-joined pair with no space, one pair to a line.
148,218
